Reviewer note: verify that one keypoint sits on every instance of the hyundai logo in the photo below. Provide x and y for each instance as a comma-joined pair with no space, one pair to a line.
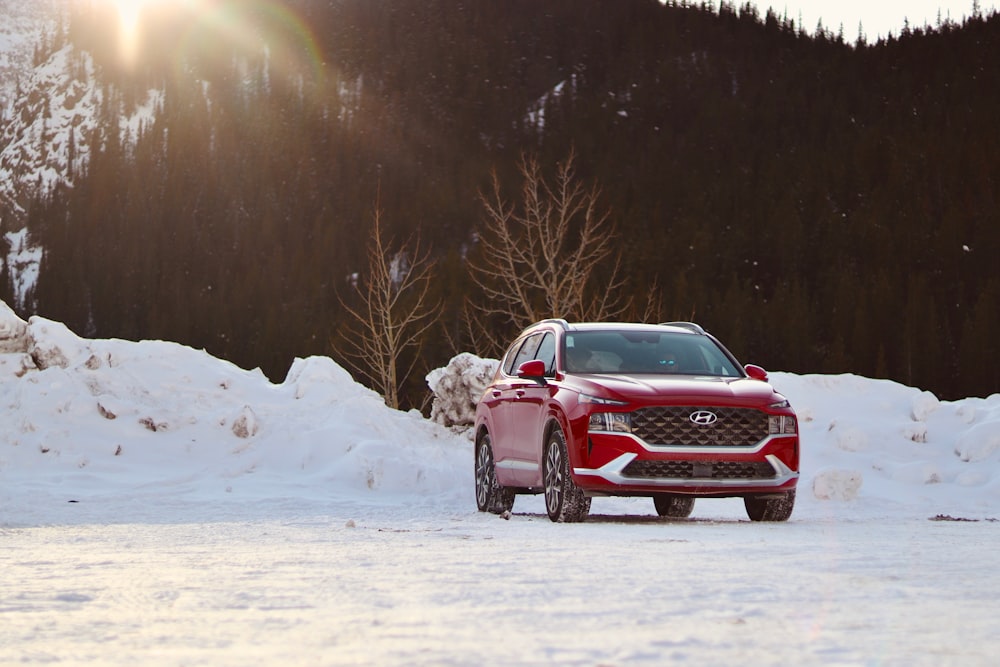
703,417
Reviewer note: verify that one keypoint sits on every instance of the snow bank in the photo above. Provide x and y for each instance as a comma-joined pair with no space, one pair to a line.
90,417
94,418
877,442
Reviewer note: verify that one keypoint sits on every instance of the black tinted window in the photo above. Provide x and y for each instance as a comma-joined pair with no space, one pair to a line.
547,353
525,353
508,359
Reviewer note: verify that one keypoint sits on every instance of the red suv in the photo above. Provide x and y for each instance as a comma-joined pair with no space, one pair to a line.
608,409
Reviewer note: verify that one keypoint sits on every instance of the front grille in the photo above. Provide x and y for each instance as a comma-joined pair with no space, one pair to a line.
733,427
699,470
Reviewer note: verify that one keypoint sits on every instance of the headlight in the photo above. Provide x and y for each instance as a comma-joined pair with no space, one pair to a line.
587,398
610,422
782,425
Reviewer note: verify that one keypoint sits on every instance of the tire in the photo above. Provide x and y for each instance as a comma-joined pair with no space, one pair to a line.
565,502
674,507
770,509
490,496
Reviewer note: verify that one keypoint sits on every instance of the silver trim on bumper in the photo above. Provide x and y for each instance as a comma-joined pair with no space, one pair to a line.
612,472
704,449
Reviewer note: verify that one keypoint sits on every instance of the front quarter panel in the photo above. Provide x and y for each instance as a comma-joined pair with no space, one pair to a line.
572,416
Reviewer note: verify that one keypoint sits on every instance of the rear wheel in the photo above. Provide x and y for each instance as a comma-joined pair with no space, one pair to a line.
774,508
490,496
565,502
675,507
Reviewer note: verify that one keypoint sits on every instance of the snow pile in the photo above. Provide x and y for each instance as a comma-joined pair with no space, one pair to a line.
13,331
457,388
880,442
154,420
92,417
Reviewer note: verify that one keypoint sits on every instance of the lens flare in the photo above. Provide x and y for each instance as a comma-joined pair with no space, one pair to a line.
254,27
129,15
210,35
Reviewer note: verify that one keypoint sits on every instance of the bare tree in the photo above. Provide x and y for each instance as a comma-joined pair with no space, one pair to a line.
393,314
539,256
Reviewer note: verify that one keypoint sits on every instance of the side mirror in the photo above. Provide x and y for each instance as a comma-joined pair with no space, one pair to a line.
756,372
532,370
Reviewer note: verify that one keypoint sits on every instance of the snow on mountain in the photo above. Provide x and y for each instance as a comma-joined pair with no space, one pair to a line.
24,132
23,261
48,137
93,419
49,119
20,32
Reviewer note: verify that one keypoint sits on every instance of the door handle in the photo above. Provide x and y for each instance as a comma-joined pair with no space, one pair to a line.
520,393
497,393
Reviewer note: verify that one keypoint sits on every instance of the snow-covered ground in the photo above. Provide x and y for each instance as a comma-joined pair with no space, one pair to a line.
162,507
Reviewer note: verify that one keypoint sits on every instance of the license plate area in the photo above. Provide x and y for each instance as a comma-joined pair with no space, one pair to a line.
701,469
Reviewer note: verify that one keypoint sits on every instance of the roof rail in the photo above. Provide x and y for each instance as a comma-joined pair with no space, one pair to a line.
690,326
553,320
556,320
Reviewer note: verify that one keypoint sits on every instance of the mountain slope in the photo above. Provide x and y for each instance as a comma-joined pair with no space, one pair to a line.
821,206
55,116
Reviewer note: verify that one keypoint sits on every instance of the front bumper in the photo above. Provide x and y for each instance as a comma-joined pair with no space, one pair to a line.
614,473
622,464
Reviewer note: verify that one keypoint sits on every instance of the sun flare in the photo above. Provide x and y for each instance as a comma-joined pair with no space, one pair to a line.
204,31
129,12
130,15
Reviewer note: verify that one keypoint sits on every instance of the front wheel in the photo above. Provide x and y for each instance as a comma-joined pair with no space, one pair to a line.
565,502
775,508
490,496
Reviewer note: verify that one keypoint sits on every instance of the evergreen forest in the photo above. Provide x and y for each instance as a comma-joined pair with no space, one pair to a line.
822,206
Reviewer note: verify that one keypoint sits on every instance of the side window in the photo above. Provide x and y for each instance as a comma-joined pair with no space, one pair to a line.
547,353
508,360
521,352
527,351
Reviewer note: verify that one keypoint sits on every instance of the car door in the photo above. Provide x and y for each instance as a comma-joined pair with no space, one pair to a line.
501,400
527,413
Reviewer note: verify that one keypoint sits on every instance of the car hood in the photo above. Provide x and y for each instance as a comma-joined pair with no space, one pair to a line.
685,389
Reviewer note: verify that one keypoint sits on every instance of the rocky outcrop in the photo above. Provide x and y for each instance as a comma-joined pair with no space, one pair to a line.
14,336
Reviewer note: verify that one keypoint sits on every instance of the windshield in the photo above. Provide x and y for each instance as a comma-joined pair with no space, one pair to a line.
646,352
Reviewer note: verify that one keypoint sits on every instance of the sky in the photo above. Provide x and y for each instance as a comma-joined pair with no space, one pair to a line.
878,17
